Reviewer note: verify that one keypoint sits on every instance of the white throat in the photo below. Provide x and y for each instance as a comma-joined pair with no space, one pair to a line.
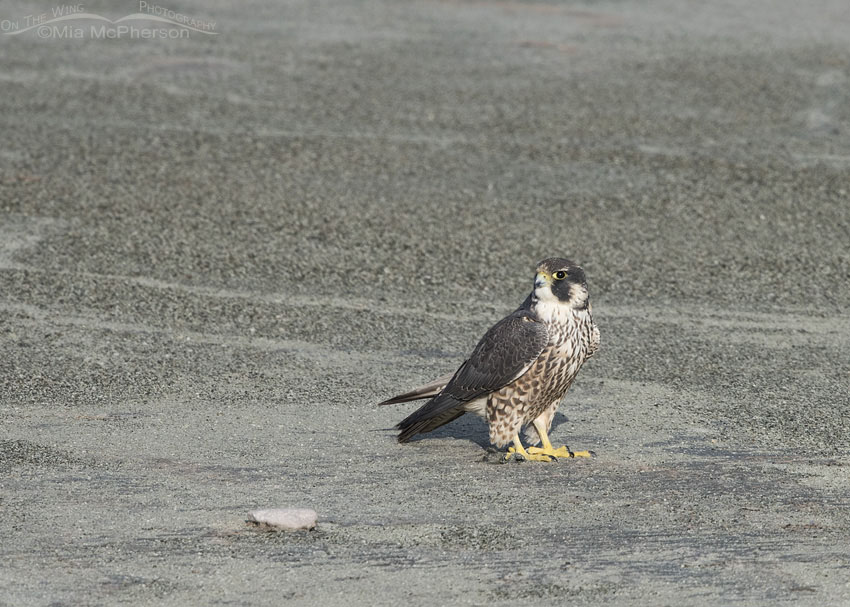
549,308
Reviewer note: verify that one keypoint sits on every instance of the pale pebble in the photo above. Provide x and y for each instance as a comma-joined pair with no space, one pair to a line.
286,518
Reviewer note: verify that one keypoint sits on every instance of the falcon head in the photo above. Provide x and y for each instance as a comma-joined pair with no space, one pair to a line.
560,281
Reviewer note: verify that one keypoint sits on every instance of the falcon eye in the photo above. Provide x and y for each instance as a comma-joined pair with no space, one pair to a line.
559,275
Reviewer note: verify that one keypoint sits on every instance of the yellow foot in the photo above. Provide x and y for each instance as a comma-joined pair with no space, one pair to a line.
532,457
557,453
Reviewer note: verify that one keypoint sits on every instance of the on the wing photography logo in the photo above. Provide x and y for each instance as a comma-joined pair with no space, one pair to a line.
73,22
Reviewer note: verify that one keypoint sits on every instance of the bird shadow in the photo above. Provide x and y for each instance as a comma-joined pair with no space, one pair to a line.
473,429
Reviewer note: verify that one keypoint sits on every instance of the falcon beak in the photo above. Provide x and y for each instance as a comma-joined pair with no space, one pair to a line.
541,280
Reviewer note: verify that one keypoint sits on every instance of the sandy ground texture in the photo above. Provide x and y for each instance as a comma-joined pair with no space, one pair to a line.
217,254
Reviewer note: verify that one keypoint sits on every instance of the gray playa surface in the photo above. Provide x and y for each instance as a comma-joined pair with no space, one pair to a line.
218,253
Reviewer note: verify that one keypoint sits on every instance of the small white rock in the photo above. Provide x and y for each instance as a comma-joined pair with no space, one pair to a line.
286,518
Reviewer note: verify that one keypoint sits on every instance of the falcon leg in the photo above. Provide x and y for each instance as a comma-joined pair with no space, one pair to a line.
518,449
547,448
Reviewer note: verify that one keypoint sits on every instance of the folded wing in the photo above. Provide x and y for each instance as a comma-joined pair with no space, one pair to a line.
505,352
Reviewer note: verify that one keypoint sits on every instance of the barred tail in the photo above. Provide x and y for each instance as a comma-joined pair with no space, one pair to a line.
438,411
429,390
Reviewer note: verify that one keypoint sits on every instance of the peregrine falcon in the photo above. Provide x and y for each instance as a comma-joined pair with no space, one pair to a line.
520,370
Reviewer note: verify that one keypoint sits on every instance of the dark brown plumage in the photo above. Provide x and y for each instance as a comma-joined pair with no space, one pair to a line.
522,367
